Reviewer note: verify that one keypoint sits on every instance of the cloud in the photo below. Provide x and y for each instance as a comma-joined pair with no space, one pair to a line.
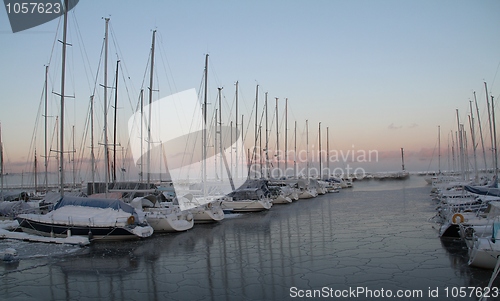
394,127
413,125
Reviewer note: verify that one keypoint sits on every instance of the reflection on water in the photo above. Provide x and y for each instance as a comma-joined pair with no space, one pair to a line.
379,239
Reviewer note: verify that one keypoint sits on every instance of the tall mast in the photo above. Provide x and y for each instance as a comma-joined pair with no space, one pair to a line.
150,104
254,159
231,143
277,137
45,136
307,149
106,150
92,156
220,131
267,144
73,160
473,136
286,136
439,150
114,124
243,149
327,152
461,145
63,77
490,123
204,164
236,148
141,175
453,151
295,151
320,155
494,137
480,132
36,173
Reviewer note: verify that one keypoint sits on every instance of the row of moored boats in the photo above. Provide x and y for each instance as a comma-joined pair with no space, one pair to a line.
136,210
470,211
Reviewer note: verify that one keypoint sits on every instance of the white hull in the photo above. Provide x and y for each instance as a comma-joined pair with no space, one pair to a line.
484,253
308,194
207,215
203,209
282,200
248,205
166,220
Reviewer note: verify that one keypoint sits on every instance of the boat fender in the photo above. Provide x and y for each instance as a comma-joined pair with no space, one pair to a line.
459,216
131,220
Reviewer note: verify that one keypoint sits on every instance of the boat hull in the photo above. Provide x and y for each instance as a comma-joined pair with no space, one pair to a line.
210,215
484,254
308,194
282,200
94,233
247,205
172,222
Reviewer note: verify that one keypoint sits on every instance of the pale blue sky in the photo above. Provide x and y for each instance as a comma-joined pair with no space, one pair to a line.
381,74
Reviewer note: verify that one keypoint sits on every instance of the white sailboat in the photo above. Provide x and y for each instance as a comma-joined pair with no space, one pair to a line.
163,216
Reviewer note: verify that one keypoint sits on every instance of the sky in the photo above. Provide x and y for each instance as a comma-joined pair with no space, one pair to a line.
382,75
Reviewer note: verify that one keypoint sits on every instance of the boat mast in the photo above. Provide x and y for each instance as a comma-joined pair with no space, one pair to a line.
461,146
150,104
327,152
254,158
267,143
237,133
243,149
36,173
490,123
480,132
494,137
439,150
45,137
204,164
277,137
295,151
286,136
63,78
141,175
320,173
473,137
73,160
92,156
106,153
220,132
307,148
114,124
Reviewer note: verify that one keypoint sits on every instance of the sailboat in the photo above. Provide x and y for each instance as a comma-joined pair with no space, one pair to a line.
99,219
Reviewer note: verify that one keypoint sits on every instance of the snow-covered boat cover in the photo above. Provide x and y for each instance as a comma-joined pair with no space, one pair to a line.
96,203
488,190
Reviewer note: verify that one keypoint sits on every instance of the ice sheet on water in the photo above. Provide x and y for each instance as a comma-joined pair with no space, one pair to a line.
27,250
